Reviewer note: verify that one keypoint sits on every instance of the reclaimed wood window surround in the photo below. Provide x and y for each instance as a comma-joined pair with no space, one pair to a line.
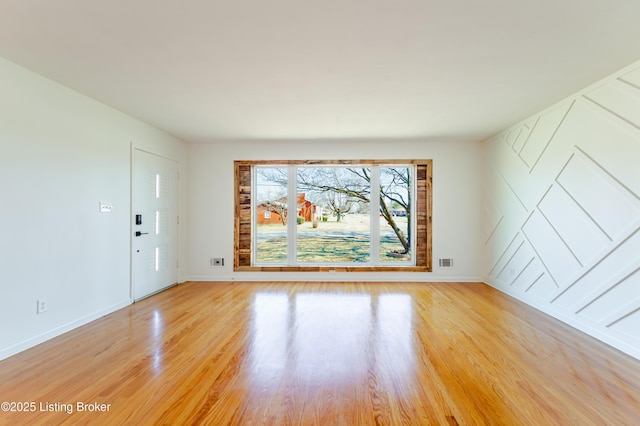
244,212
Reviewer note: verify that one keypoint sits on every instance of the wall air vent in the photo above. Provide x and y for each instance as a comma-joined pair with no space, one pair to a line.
445,263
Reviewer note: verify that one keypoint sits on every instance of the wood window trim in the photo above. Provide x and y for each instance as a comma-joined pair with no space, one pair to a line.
243,238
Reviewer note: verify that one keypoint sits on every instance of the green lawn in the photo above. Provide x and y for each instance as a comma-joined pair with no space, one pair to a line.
323,248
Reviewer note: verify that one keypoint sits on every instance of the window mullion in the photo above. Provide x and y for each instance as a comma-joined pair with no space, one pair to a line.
292,215
374,242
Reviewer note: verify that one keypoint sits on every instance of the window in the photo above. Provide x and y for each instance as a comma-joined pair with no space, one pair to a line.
345,215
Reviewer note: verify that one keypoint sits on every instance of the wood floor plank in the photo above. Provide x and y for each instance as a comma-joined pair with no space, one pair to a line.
312,353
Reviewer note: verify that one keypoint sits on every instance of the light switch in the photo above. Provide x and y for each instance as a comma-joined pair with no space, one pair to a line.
106,207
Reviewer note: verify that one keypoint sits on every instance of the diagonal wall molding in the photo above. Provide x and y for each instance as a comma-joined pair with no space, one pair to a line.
575,251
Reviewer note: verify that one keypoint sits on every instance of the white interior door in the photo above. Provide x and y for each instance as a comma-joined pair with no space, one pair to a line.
154,224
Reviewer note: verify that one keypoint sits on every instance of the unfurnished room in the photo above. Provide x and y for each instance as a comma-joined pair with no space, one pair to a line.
413,212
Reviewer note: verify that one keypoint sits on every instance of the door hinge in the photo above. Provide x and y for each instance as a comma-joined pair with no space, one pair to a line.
178,220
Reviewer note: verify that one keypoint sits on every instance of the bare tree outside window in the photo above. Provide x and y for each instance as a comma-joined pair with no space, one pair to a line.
338,204
343,191
271,213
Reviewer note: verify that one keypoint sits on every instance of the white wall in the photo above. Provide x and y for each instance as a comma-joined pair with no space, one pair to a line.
456,203
562,210
61,153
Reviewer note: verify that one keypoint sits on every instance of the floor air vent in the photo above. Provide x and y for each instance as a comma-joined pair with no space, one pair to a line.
445,263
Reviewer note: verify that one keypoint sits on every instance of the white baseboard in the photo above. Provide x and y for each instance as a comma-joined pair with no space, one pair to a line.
332,277
36,340
592,329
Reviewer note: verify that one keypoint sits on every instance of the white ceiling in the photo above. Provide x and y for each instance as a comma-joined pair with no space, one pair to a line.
207,70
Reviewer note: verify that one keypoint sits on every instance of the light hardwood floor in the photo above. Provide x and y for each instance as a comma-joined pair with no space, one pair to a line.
324,354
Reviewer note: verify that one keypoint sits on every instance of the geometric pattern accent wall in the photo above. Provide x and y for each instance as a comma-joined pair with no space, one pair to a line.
562,211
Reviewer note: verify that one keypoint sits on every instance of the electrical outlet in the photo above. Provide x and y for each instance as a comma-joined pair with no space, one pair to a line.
42,306
217,261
